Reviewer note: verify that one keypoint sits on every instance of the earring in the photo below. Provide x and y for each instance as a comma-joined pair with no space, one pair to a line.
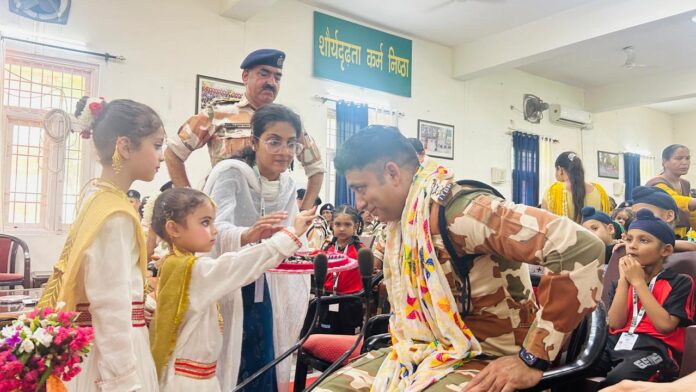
116,161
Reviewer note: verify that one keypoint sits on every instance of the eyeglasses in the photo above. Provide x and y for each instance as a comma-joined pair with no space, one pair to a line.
275,146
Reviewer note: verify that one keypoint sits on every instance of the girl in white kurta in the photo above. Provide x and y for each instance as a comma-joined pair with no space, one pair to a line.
187,339
253,193
100,273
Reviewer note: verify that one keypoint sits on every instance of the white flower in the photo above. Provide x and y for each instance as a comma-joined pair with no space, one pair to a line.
42,338
44,323
22,318
27,346
148,210
26,333
60,305
8,331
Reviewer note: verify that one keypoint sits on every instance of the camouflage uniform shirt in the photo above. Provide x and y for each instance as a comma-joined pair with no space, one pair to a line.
227,130
504,315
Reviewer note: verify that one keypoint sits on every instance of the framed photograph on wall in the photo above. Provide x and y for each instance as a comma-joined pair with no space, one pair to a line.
437,139
208,88
608,164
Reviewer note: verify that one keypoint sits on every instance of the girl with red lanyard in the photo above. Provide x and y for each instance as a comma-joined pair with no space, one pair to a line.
347,226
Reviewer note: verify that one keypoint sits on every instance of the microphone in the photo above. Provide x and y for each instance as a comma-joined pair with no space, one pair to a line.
321,265
366,264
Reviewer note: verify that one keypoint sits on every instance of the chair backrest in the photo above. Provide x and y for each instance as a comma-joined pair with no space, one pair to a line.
682,263
611,274
9,247
5,256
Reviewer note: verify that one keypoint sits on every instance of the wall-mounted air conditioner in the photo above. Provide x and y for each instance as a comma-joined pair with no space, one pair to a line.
571,117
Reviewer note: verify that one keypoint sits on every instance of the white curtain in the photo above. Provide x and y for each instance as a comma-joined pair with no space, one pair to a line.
547,172
647,169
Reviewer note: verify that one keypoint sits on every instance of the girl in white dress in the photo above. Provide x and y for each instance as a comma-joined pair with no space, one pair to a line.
101,270
187,339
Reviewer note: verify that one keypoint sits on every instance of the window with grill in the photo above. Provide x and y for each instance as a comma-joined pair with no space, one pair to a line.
375,117
42,173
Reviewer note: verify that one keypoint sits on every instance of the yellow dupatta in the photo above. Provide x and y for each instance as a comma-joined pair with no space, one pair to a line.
429,337
172,302
66,283
558,201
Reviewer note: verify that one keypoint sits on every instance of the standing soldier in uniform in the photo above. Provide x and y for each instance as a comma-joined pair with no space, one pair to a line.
506,340
224,125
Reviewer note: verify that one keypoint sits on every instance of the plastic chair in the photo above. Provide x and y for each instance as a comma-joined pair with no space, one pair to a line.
9,246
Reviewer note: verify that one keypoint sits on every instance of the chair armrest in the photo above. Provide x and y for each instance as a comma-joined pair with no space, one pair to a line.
376,325
590,352
688,364
376,342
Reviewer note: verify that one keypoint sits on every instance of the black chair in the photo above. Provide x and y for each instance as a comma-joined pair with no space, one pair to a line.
9,246
584,350
320,350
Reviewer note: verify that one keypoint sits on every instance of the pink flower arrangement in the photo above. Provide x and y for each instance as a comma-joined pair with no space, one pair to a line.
44,343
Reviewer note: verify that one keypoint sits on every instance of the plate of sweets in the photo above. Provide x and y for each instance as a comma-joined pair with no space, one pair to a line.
302,262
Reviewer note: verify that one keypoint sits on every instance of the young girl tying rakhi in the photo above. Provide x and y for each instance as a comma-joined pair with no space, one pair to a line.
187,335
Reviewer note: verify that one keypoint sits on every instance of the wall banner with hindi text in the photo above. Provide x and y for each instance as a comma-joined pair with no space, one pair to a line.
358,55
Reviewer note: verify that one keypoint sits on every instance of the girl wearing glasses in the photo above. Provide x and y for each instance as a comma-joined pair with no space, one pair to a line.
255,195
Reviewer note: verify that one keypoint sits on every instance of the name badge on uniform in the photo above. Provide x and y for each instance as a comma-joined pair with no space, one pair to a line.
626,341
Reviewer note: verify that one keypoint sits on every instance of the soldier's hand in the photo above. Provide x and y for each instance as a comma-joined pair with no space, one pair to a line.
506,374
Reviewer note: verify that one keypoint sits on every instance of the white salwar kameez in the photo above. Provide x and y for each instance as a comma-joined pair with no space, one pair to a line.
120,359
236,189
200,339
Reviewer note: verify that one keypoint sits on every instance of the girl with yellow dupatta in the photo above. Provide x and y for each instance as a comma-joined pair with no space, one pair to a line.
187,340
101,270
571,192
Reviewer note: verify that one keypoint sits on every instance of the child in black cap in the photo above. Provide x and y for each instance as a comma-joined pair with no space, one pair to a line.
650,307
601,225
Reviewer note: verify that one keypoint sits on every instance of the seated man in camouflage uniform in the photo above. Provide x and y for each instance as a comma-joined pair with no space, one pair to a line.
506,340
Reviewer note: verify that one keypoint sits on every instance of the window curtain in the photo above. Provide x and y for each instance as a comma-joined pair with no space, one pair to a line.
547,172
350,119
525,171
647,168
631,172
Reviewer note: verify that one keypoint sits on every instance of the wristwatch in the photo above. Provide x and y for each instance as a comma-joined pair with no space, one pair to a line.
532,361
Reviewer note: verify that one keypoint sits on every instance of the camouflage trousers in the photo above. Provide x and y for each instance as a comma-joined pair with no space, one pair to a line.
359,375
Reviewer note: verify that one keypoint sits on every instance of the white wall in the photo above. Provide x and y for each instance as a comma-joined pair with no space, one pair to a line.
639,130
685,133
167,43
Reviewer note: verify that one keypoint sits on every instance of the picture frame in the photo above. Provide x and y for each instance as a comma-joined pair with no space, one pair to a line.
208,88
437,139
607,164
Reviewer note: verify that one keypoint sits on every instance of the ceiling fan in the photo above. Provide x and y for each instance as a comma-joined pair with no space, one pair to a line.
448,2
631,59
